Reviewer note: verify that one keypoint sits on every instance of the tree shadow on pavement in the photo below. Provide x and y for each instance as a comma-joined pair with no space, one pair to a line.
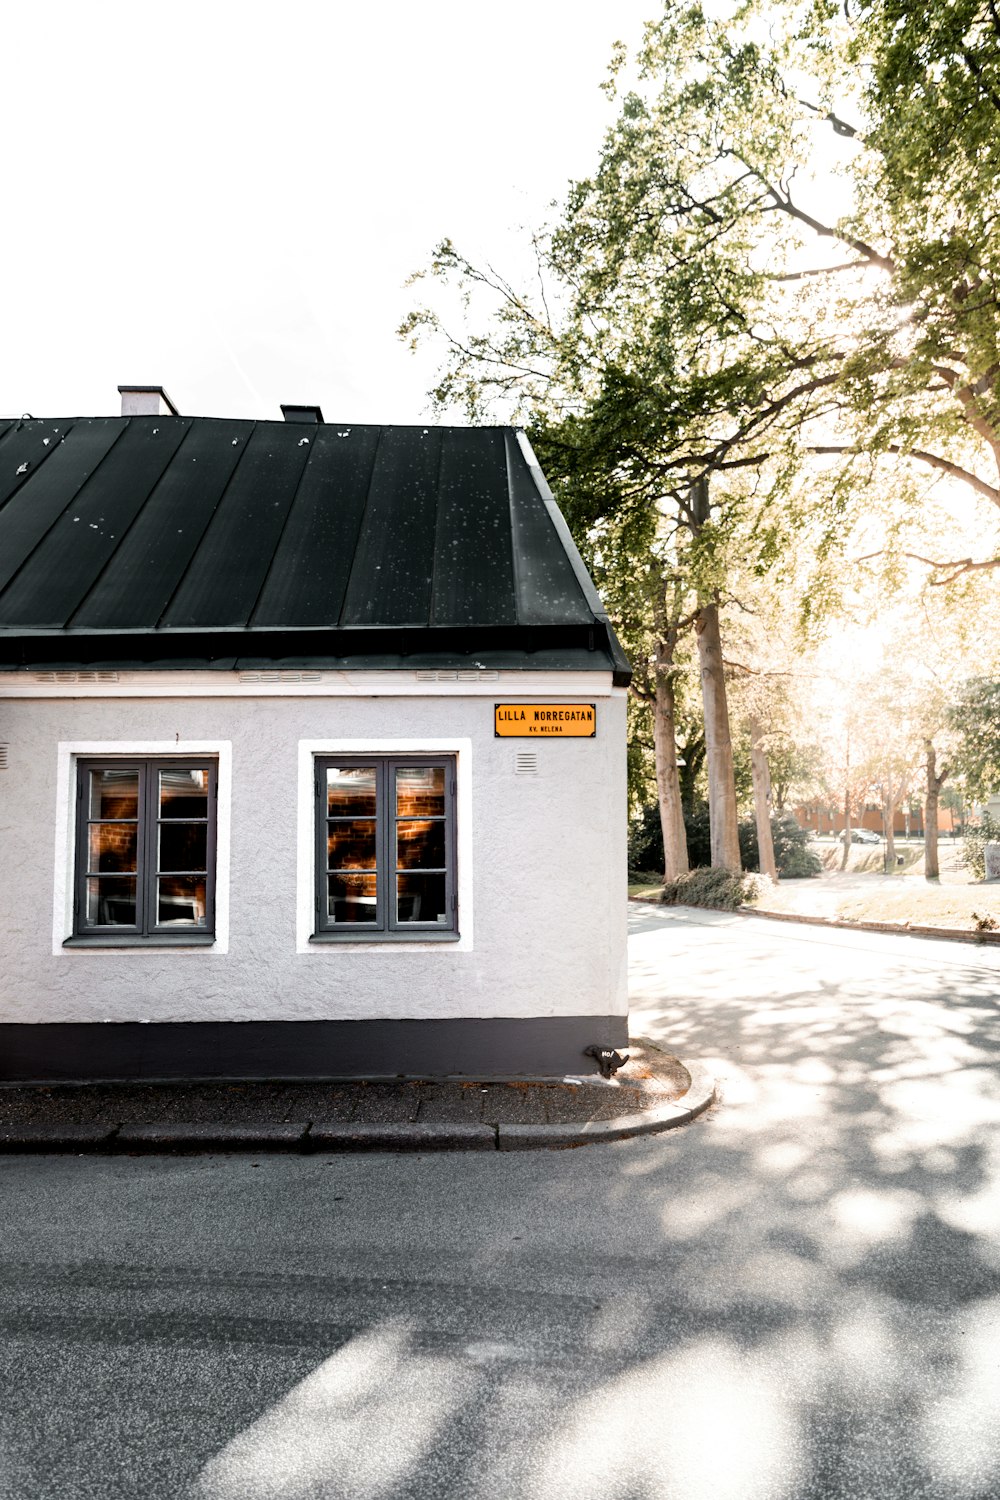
796,1297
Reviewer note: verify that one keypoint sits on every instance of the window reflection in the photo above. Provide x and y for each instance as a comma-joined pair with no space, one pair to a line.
183,847
181,901
352,899
420,844
113,847
111,902
350,791
421,898
350,845
114,794
184,794
420,792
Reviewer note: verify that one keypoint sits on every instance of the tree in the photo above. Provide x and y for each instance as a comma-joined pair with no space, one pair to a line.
976,721
707,365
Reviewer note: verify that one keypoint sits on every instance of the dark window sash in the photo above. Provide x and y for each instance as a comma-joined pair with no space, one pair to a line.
147,925
388,926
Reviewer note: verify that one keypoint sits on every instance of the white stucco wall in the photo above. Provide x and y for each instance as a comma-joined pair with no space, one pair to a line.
541,858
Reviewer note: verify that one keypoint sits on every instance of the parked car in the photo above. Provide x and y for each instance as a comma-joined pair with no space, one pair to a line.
865,836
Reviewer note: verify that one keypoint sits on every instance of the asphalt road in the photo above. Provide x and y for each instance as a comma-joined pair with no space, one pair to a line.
797,1297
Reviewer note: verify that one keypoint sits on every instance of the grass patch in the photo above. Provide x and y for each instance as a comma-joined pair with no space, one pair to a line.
879,898
926,905
866,859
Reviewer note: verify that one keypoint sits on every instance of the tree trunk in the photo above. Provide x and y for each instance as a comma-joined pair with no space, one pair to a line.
935,781
725,840
668,787
762,800
847,830
888,819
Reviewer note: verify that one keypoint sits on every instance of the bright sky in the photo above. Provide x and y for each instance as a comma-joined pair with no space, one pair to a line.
225,198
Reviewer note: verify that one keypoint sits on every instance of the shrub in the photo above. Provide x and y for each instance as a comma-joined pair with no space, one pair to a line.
717,888
974,845
792,854
645,843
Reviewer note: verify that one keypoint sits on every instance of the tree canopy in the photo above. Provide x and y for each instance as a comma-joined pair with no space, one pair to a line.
702,306
766,327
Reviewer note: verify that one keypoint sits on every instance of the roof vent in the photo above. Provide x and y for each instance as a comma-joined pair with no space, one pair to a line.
146,401
311,414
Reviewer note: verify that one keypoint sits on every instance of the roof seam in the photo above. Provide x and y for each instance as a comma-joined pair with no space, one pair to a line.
56,519
277,541
431,608
211,517
361,528
134,521
12,431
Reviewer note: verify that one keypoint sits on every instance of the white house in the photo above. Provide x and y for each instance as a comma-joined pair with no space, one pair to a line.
313,748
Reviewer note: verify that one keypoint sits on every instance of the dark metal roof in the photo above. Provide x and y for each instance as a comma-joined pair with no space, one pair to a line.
162,541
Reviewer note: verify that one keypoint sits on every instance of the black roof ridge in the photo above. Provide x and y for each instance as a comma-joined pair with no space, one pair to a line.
277,422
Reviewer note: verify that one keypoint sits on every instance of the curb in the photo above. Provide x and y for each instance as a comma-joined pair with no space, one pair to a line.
699,1096
182,1136
336,1136
401,1137
897,929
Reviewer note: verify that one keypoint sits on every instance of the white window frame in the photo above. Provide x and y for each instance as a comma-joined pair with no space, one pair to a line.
305,903
68,754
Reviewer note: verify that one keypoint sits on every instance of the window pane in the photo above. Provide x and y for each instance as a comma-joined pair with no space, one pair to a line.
110,902
114,794
350,845
351,899
183,793
350,791
420,792
180,901
421,898
420,845
183,846
112,847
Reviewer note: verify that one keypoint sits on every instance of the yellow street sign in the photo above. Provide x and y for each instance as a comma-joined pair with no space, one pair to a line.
529,720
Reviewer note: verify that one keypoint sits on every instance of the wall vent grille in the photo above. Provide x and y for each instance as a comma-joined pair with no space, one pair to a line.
292,677
76,676
469,675
526,763
3,757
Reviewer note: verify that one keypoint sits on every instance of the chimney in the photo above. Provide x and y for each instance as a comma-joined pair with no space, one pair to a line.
146,401
302,414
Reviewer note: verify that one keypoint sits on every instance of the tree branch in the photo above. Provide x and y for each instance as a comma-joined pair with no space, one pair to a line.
846,265
977,73
953,569
840,127
785,204
933,459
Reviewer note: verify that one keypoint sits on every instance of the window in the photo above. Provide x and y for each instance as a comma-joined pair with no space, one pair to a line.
385,847
145,860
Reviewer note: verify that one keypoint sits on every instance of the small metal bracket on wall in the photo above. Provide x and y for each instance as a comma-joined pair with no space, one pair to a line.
608,1060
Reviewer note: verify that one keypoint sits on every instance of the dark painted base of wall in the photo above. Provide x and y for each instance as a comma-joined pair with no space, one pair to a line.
543,1047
